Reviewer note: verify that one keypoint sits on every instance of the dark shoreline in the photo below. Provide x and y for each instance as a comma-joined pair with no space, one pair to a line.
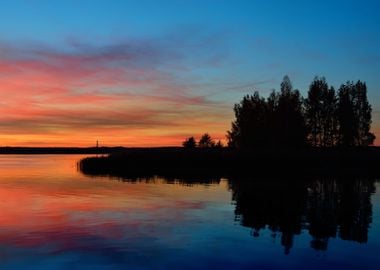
59,150
226,162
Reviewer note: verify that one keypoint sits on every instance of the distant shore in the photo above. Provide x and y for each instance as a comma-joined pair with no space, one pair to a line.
59,150
224,162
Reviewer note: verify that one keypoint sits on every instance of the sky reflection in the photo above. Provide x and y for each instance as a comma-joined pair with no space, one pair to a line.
53,217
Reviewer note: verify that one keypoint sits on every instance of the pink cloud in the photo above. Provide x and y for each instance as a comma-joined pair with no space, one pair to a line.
67,97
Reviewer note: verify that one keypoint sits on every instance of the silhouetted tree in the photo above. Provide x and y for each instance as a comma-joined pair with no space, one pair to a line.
273,119
250,129
286,120
190,143
219,144
206,141
290,117
355,115
363,115
346,115
313,110
277,121
320,113
330,118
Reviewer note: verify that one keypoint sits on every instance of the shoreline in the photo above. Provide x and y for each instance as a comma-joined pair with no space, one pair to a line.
59,150
225,162
20,150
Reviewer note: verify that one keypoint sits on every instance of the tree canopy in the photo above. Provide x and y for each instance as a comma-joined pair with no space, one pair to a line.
321,114
355,115
273,122
190,143
206,141
286,120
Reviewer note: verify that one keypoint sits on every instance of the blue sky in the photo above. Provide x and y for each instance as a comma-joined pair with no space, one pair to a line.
213,51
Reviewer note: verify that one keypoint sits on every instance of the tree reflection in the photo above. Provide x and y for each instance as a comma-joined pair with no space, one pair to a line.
326,208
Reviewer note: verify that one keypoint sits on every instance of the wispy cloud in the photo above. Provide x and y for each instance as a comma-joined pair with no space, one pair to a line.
121,86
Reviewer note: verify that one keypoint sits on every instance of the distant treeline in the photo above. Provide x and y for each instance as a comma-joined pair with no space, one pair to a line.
326,118
204,142
61,150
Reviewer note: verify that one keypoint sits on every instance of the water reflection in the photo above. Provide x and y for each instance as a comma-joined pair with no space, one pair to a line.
325,208
182,180
54,217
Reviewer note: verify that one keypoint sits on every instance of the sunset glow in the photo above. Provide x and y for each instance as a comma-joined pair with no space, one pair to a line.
189,134
72,74
75,99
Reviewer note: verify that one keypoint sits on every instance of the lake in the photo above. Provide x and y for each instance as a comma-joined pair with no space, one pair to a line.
54,217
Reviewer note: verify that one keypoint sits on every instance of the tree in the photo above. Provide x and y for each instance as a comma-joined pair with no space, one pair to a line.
290,117
313,110
346,115
219,144
330,118
273,121
363,115
355,115
277,121
206,141
250,128
320,113
189,143
286,120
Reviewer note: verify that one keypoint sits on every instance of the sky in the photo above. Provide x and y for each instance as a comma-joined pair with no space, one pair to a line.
151,73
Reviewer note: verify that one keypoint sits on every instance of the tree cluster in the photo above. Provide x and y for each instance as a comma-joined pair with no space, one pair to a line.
204,142
285,119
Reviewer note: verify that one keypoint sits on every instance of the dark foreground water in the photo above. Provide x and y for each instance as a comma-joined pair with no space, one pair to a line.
54,217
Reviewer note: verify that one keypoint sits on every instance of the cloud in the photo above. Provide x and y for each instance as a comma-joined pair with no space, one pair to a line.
122,86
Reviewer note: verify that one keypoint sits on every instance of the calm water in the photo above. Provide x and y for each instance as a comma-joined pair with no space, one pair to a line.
54,217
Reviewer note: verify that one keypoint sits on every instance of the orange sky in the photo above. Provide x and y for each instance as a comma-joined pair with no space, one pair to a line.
134,74
124,93
59,99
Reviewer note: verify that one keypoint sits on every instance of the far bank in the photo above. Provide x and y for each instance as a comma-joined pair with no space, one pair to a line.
224,162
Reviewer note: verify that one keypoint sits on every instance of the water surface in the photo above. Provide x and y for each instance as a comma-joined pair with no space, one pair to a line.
54,217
